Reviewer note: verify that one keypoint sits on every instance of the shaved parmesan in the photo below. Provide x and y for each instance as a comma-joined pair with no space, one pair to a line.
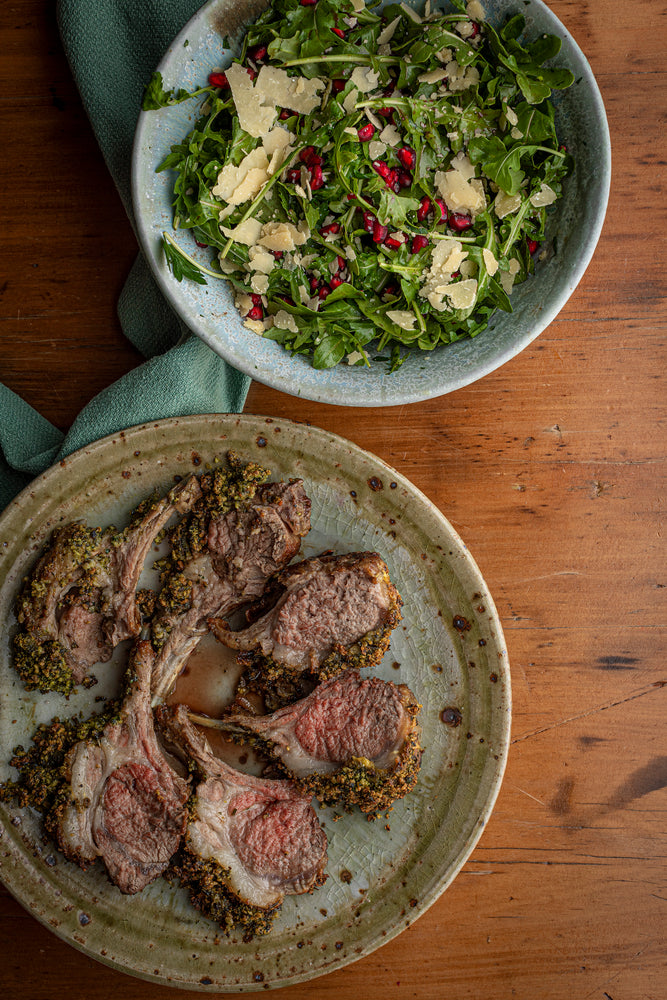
256,104
246,232
376,149
364,79
490,262
231,178
260,259
285,321
506,204
390,135
387,33
446,258
475,10
507,277
433,76
459,193
545,196
259,283
281,236
256,325
462,293
404,318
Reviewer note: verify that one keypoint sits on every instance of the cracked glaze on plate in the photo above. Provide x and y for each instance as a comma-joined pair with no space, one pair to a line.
209,310
449,649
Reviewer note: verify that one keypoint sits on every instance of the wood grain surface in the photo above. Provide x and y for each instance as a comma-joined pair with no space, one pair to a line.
552,470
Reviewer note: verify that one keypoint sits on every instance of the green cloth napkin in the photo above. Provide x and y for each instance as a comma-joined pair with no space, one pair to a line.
113,46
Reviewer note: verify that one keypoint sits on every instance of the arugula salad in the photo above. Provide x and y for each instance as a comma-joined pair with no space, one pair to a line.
369,181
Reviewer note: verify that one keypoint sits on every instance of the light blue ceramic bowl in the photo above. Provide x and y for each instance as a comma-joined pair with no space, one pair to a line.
209,310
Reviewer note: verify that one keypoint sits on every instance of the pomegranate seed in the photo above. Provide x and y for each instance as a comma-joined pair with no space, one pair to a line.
335,282
306,153
393,243
475,30
218,80
294,175
381,168
385,112
379,232
256,299
307,3
204,246
351,197
255,313
323,292
333,227
443,209
532,246
314,282
339,32
366,132
418,243
285,114
407,156
316,178
424,209
338,85
252,73
404,179
341,263
258,53
278,254
459,222
369,221
389,290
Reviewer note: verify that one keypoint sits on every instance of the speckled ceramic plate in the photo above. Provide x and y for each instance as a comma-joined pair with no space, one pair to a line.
449,649
209,310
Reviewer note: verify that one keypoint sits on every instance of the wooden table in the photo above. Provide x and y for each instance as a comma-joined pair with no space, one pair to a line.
551,470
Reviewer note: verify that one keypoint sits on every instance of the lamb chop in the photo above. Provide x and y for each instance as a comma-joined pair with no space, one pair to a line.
351,741
249,841
80,600
236,552
122,800
328,613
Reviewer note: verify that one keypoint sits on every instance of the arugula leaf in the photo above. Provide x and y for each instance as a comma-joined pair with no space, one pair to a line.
181,264
394,209
155,96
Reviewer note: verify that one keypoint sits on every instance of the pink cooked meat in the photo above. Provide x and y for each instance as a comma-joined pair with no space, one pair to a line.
245,548
126,803
352,741
80,599
249,841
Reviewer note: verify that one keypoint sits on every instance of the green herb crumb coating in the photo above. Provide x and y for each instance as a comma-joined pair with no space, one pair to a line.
41,664
223,489
42,780
360,783
208,886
